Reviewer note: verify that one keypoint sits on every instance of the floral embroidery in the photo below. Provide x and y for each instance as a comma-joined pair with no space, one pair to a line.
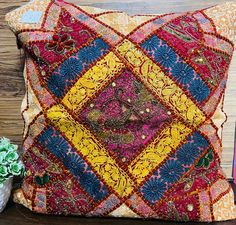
151,44
92,52
56,144
171,171
179,164
153,189
93,186
199,90
76,163
125,116
73,66
60,43
165,56
187,154
70,68
183,73
177,68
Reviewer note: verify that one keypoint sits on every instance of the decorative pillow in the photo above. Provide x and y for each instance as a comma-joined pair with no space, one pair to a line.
122,113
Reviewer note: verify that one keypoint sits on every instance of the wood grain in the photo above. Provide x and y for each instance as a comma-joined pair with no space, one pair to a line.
11,66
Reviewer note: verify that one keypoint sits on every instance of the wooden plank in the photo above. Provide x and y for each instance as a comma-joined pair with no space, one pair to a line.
15,214
11,123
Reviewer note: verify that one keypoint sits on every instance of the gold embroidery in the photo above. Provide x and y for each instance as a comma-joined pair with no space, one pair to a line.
92,81
158,150
162,85
90,148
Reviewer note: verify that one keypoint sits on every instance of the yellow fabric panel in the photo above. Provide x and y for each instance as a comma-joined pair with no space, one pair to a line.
161,84
92,150
158,150
92,81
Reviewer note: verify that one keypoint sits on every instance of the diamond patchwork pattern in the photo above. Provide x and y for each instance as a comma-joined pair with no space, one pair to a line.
126,116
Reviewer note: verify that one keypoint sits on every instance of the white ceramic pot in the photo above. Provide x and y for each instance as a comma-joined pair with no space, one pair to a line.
5,192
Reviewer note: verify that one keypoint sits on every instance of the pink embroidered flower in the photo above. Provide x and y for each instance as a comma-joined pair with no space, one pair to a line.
60,43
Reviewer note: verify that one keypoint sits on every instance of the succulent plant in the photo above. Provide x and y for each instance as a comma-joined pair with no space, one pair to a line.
10,164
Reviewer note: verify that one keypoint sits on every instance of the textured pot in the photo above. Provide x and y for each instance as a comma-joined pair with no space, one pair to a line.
5,192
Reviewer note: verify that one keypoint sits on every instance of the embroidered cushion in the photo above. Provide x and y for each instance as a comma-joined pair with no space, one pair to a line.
123,113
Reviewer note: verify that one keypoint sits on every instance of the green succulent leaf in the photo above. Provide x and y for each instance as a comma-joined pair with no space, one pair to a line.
2,180
13,147
11,156
2,157
4,144
10,165
3,171
16,168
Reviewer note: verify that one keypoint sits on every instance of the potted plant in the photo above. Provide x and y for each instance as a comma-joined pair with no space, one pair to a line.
10,166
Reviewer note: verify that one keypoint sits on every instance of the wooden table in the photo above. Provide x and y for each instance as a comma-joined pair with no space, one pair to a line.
18,215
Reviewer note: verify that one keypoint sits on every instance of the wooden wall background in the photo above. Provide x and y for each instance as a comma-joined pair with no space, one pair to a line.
11,66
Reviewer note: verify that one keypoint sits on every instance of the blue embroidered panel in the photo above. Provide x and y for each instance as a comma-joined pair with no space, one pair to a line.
52,140
177,68
65,74
174,168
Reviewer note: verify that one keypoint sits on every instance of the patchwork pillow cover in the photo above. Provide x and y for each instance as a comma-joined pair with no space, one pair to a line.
123,114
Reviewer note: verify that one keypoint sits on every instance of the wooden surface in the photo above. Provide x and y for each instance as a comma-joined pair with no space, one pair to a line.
11,66
15,214
18,215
